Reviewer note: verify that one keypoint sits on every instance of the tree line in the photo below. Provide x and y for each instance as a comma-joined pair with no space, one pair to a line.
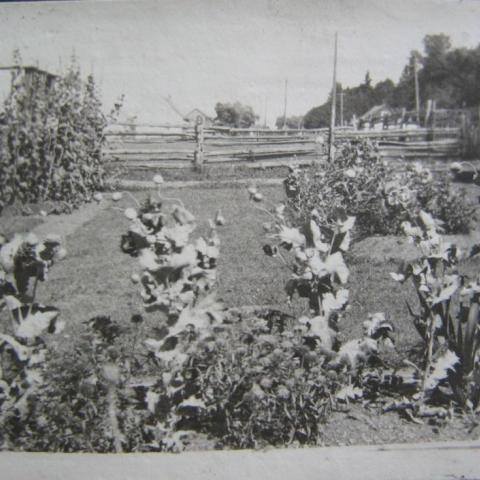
449,76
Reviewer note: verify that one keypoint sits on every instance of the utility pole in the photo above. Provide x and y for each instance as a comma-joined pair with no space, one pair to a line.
265,114
417,93
285,106
334,101
341,94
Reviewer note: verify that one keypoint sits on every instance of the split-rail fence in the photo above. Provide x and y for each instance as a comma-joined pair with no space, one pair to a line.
148,146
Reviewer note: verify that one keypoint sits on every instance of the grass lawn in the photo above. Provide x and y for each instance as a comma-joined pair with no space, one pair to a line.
95,277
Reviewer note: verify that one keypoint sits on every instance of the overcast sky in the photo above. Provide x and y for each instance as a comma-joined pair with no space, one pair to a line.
204,51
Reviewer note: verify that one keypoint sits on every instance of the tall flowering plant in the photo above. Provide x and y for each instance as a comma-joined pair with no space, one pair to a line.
448,319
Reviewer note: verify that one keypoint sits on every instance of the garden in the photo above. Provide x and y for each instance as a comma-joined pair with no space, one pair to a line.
327,311
339,307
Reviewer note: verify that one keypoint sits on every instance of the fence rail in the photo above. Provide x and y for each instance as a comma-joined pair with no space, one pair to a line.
177,146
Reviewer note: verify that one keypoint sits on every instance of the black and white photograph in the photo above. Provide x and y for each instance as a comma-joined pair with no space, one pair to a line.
240,239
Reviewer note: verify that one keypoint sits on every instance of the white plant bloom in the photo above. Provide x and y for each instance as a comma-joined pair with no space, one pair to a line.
135,278
116,196
427,220
350,173
130,213
158,179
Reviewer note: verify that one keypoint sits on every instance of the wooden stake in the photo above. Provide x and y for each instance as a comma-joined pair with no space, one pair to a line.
334,101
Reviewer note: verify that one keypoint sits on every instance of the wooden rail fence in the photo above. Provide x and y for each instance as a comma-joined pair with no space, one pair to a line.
178,146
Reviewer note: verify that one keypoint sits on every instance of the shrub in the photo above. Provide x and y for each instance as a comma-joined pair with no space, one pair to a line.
359,182
51,140
85,401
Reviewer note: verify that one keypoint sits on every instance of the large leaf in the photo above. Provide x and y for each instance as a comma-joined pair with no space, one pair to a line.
291,237
314,237
427,220
336,265
341,242
21,351
183,216
206,312
192,403
178,234
377,327
346,225
349,392
356,352
442,366
148,260
447,291
35,320
332,303
319,327
187,258
8,252
470,340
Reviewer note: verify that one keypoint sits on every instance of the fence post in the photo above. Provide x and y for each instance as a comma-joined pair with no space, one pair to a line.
198,156
464,135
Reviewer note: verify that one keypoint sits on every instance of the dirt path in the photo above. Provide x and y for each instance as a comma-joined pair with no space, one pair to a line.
66,224
146,185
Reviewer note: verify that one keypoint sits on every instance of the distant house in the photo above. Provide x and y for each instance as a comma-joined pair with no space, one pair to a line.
196,114
376,117
376,111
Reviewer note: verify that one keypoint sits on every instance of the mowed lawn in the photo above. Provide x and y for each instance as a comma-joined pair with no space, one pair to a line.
95,277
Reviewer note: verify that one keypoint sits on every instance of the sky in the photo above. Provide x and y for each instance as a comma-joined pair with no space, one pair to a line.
201,52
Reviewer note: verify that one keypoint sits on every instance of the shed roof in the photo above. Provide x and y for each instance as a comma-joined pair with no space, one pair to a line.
28,68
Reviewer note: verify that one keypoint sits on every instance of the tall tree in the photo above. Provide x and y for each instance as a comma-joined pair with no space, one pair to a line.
295,121
235,115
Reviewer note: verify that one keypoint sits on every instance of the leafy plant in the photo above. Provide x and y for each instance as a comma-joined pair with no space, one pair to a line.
361,183
448,319
51,139
24,261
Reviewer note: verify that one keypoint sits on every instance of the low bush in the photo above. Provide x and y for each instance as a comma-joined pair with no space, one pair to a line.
359,182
